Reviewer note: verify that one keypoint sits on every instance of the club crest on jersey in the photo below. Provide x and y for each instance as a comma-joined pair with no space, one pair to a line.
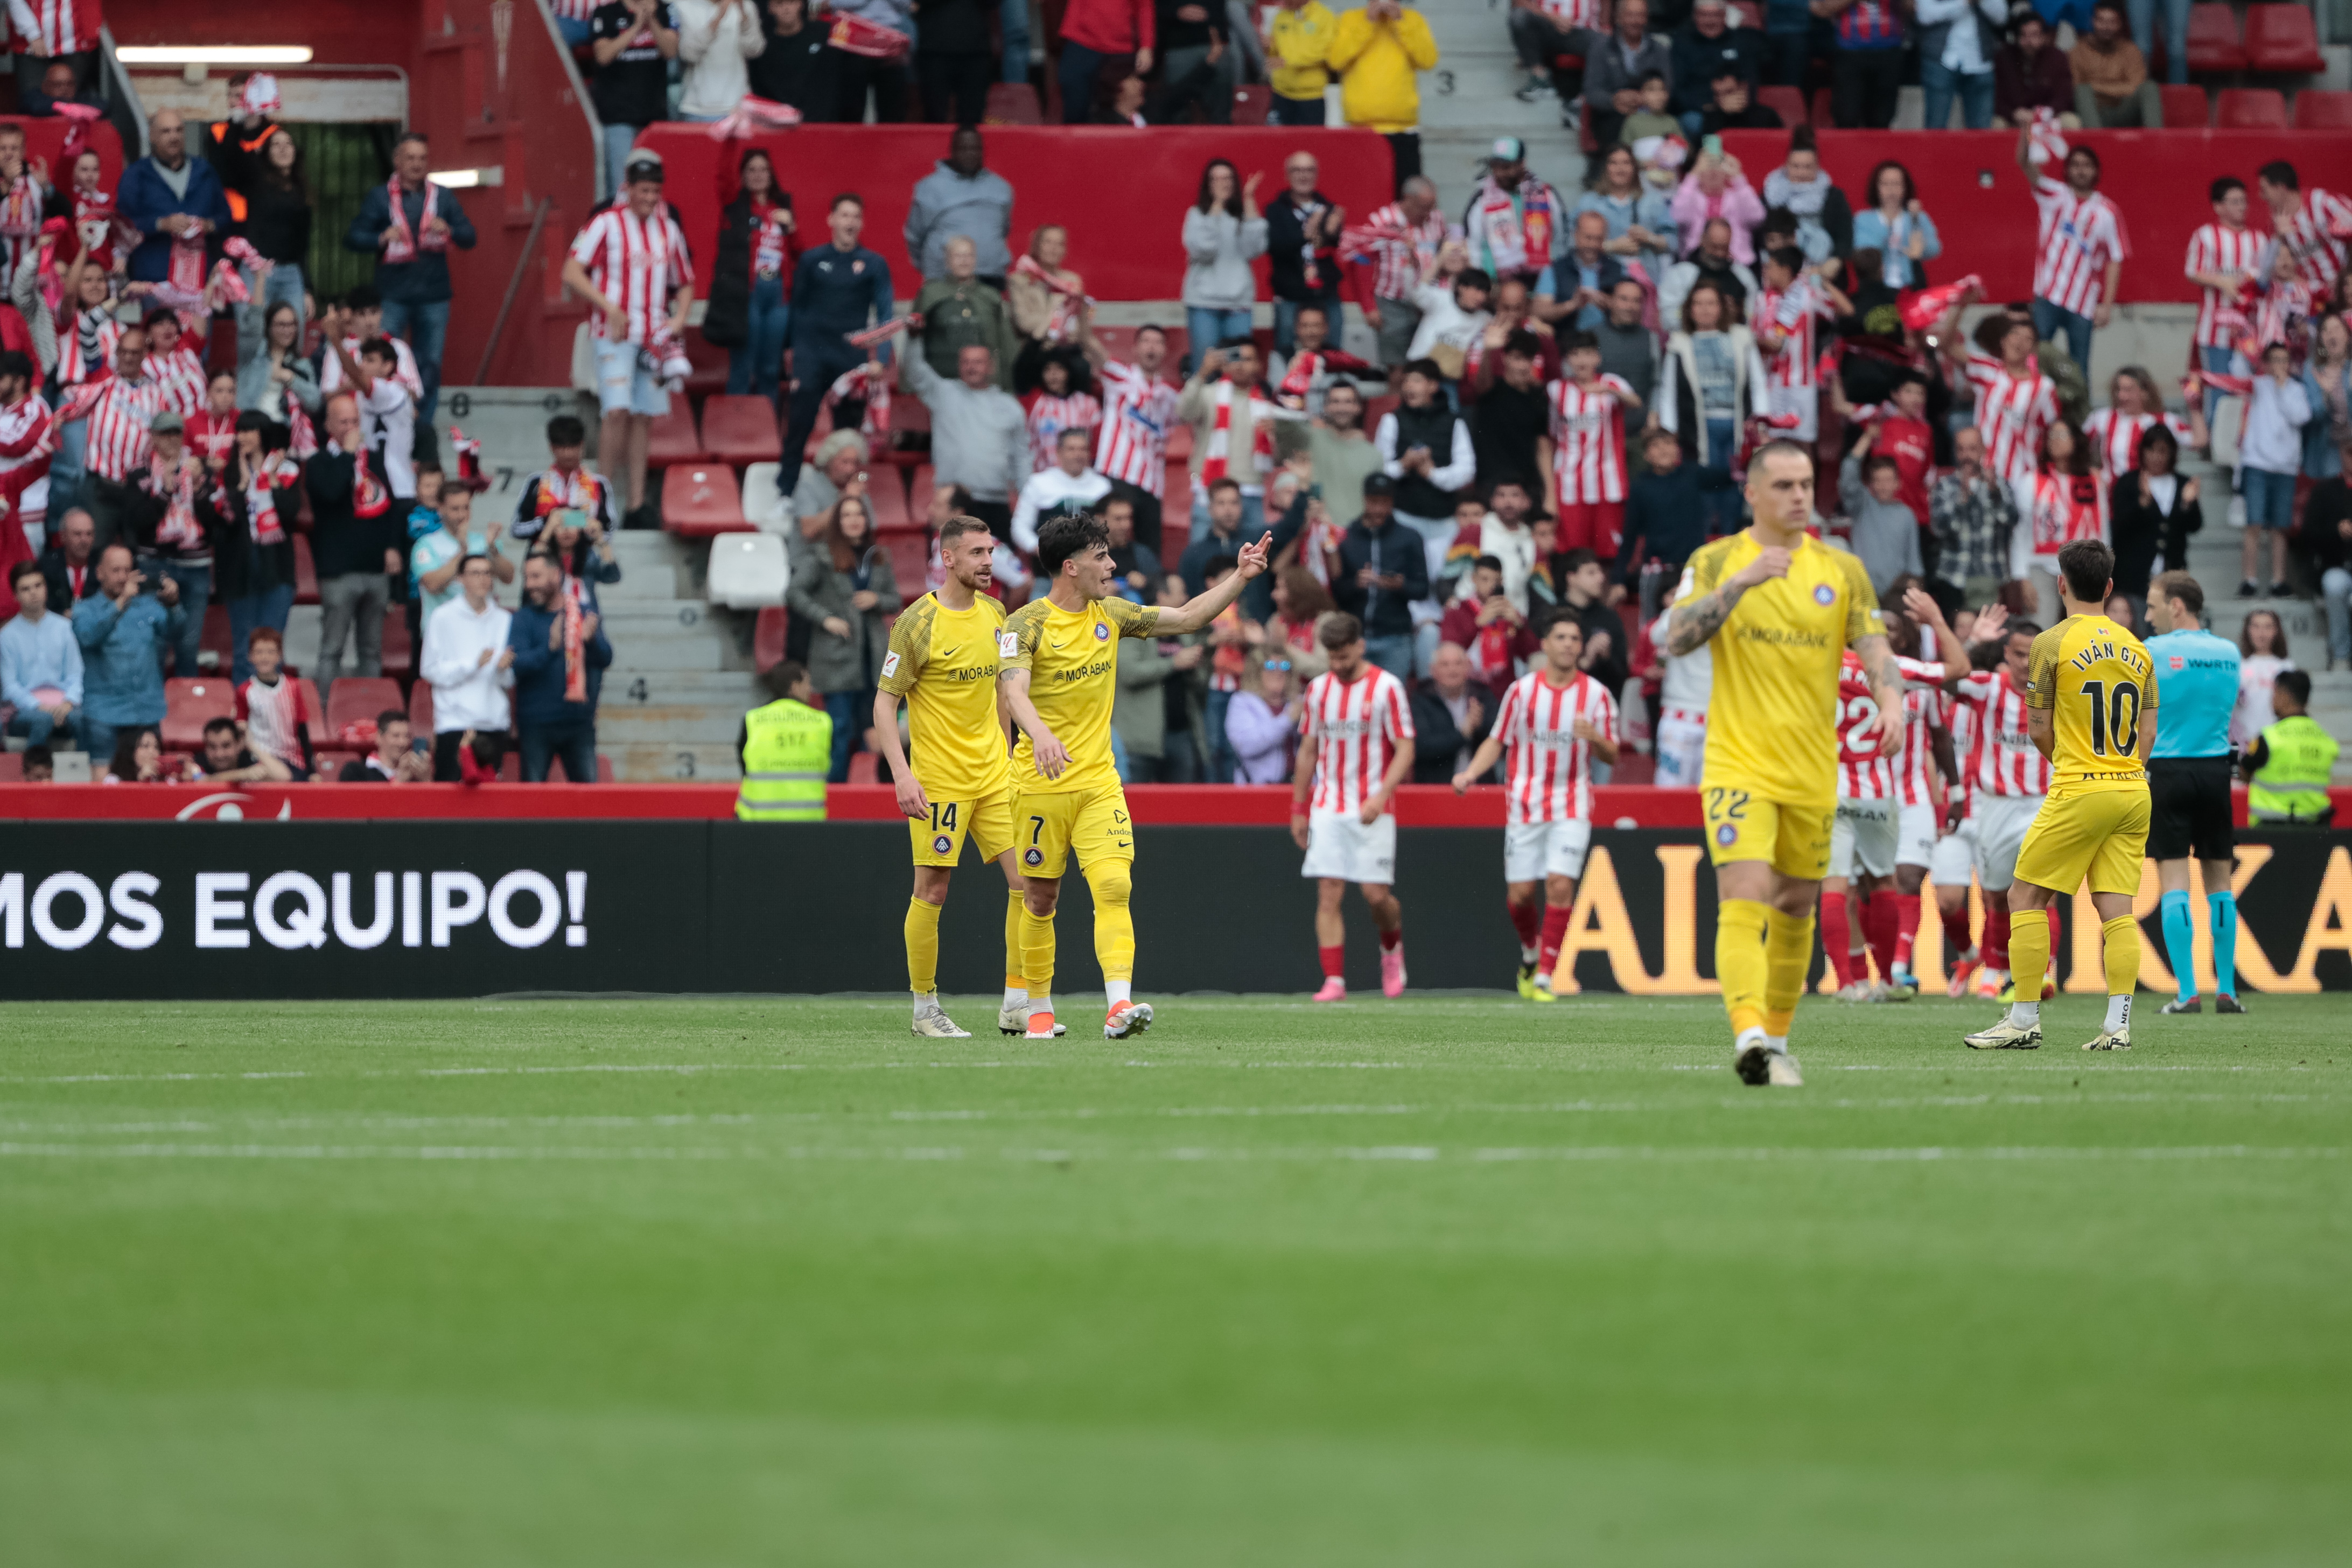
1102,632
1032,857
1727,836
1825,594
942,844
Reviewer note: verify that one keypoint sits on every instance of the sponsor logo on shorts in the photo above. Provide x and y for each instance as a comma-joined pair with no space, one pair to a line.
1032,857
942,844
1727,834
1825,594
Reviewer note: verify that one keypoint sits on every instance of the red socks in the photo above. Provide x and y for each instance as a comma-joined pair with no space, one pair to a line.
1906,926
1334,960
1526,919
1389,939
1993,946
1555,932
1878,926
1837,938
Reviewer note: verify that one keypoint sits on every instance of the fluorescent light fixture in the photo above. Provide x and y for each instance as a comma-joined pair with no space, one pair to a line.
215,55
468,179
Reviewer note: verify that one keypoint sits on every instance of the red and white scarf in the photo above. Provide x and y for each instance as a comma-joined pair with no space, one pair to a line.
1067,296
876,426
368,498
176,487
576,661
752,115
856,36
404,242
1216,458
1309,365
469,461
261,518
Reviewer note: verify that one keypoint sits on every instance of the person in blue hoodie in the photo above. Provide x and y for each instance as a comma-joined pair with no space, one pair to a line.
548,724
167,194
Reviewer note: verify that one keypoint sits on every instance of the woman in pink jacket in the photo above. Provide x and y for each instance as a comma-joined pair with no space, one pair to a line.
1715,188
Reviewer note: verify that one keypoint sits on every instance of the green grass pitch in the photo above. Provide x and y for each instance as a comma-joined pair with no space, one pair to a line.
1455,1280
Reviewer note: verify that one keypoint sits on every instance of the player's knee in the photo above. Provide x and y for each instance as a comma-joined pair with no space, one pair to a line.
1041,898
1111,883
1559,890
1909,879
1329,891
1519,895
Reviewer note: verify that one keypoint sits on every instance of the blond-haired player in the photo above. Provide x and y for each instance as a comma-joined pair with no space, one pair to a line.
1780,608
2090,703
1060,672
945,650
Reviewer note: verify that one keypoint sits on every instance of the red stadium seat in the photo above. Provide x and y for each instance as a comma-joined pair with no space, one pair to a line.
2282,39
189,703
910,556
699,500
420,710
1012,103
2251,109
314,711
2213,43
360,698
909,419
2186,107
12,767
217,640
1788,102
887,494
2316,110
1376,408
1568,63
328,766
1180,441
674,438
741,430
1820,114
306,572
1253,102
399,650
709,365
865,768
768,637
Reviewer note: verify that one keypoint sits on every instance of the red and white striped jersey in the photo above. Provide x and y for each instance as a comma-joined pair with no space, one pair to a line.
273,718
1547,769
1398,263
2311,235
1923,709
1356,725
1138,410
2214,248
2068,507
1862,773
2115,438
2279,317
1960,718
1793,316
638,262
178,378
2003,759
28,441
1592,16
1048,417
52,28
2012,413
118,412
1588,438
2080,235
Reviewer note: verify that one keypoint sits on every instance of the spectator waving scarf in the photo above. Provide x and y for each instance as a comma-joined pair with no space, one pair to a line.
875,391
176,487
1515,229
575,665
1066,297
1216,462
262,521
404,243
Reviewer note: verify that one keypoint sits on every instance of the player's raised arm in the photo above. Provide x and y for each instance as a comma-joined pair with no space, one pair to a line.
1012,697
1697,618
1205,608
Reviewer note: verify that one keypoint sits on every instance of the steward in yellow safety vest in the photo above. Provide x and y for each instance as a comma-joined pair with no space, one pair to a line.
2289,765
786,749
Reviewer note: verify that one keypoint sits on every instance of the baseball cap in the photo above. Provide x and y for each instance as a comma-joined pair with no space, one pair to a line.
1379,485
167,423
1510,150
644,163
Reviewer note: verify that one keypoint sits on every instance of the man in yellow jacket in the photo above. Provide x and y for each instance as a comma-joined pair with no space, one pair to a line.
1296,44
1376,52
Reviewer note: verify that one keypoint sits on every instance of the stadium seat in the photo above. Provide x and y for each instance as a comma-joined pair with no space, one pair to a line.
748,570
674,438
1180,441
306,572
314,711
1788,102
709,362
399,648
189,703
886,492
910,562
420,710
740,430
910,433
1012,103
1377,408
2214,47
764,506
12,767
768,637
1820,117
698,500
865,768
2186,105
2317,109
2282,39
920,487
360,698
217,640
1253,102
2251,109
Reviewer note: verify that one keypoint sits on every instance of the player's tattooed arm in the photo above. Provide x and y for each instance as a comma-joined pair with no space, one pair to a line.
1886,687
1697,619
1013,697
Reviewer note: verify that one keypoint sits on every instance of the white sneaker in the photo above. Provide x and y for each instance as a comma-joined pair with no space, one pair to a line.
936,1025
1126,1020
2005,1036
1014,1020
1857,991
1781,1071
2109,1040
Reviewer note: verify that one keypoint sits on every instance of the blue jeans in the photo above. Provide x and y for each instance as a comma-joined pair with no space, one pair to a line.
1943,84
758,364
1012,22
851,713
2050,320
1220,750
2270,499
2175,35
1285,321
1208,328
247,613
195,592
66,471
2216,358
284,283
1297,111
37,726
98,740
573,741
1393,654
1719,493
1079,69
618,140
2335,592
425,325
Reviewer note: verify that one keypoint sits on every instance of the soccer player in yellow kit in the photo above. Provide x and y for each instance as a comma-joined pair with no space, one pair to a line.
1060,673
2090,706
945,651
1780,608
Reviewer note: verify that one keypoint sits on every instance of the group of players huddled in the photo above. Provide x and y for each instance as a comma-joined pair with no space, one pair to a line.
1838,738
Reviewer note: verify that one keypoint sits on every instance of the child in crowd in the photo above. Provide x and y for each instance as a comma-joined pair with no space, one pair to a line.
271,706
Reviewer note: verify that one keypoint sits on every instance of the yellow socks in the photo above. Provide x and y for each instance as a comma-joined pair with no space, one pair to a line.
922,947
2122,948
1788,954
1015,962
1739,925
1114,925
2029,956
1037,956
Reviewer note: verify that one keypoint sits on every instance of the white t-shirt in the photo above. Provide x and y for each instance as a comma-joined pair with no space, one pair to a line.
388,426
2257,673
1050,490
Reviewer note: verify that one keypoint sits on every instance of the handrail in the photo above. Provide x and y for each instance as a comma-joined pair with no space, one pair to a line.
514,286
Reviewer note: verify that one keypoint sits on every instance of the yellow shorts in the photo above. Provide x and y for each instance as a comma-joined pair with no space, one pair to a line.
939,840
1093,822
2098,832
1744,824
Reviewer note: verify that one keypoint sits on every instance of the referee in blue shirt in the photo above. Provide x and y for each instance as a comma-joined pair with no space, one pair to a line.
2188,783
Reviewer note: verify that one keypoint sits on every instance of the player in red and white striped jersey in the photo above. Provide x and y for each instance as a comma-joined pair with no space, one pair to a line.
1789,312
1139,409
2080,250
1554,723
2008,776
2134,407
171,366
632,264
1588,437
2224,256
2308,223
1358,748
119,405
1922,782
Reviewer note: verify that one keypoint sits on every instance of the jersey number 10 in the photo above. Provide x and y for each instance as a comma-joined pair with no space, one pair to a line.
2116,715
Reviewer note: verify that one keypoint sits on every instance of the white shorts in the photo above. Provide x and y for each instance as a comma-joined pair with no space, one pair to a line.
1681,745
1915,828
2001,822
1954,859
1862,838
1534,850
625,384
1340,846
1805,403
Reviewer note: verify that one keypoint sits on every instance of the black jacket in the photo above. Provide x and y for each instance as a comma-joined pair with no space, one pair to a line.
1394,551
1597,616
1440,746
53,568
1665,517
2321,539
727,319
952,26
239,565
344,543
1698,61
2140,531
1286,249
801,70
277,220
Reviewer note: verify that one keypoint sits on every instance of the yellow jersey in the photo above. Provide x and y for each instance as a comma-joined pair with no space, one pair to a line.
1072,658
944,663
1772,721
2094,679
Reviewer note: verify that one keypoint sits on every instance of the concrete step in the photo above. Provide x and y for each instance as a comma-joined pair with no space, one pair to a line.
652,615
655,725
651,655
724,687
652,762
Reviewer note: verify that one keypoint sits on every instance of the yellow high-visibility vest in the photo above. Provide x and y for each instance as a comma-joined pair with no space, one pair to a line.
787,750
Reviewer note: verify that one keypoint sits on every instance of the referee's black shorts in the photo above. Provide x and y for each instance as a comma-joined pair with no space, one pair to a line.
2188,809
